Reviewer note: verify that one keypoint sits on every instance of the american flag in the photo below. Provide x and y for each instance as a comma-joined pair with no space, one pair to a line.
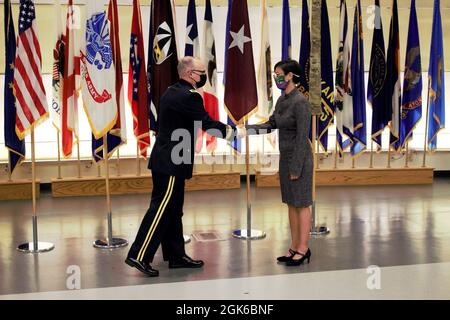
28,86
135,65
137,83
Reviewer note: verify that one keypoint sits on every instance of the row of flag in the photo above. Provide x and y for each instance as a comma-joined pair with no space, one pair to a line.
344,101
347,102
93,66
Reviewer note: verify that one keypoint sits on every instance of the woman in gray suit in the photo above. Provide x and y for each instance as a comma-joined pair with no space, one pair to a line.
292,117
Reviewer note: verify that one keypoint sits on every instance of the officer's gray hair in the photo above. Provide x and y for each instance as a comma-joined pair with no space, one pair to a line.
184,65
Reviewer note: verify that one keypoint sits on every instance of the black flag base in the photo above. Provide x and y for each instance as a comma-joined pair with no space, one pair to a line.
317,230
110,242
35,246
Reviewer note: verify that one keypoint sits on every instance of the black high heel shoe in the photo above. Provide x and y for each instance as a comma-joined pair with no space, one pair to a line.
286,258
297,262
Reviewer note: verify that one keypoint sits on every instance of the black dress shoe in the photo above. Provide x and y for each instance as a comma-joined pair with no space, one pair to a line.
142,267
185,262
286,258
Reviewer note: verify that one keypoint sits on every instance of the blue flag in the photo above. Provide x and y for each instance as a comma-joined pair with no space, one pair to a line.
343,101
436,82
286,32
235,143
192,41
412,84
359,136
305,50
376,90
16,147
326,119
393,86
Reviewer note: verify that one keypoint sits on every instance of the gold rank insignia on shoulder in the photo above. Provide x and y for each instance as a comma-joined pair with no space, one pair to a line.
194,91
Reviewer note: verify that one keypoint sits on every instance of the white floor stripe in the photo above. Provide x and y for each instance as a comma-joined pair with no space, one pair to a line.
427,281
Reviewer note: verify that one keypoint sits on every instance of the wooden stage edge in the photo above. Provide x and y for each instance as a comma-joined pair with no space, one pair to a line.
132,184
357,177
18,190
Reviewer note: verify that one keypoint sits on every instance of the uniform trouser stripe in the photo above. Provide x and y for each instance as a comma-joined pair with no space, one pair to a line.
158,215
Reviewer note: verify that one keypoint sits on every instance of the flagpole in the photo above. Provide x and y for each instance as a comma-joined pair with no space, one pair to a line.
248,233
315,230
35,246
231,159
118,162
110,242
213,169
425,148
406,155
336,153
138,160
9,167
371,154
59,153
318,146
99,169
78,159
389,156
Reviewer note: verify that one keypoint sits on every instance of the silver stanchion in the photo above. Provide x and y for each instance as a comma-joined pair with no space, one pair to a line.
248,233
315,229
35,246
110,242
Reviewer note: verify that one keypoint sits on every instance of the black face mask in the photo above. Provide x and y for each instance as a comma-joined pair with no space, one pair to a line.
202,82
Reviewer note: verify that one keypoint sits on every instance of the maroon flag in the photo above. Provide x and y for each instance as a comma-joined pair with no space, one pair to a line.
137,82
241,97
162,55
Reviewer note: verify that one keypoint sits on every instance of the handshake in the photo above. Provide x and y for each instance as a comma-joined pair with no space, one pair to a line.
241,132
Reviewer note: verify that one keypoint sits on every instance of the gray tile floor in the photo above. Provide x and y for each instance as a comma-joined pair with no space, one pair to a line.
384,226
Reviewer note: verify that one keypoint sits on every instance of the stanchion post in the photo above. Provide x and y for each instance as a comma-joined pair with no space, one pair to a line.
110,242
248,233
35,246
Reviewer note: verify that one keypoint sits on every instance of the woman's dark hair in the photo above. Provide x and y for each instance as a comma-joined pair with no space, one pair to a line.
290,66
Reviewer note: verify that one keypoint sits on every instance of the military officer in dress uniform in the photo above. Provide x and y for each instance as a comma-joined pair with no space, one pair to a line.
180,112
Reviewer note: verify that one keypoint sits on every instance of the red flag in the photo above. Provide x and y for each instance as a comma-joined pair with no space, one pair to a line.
69,111
209,59
241,97
137,82
31,103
